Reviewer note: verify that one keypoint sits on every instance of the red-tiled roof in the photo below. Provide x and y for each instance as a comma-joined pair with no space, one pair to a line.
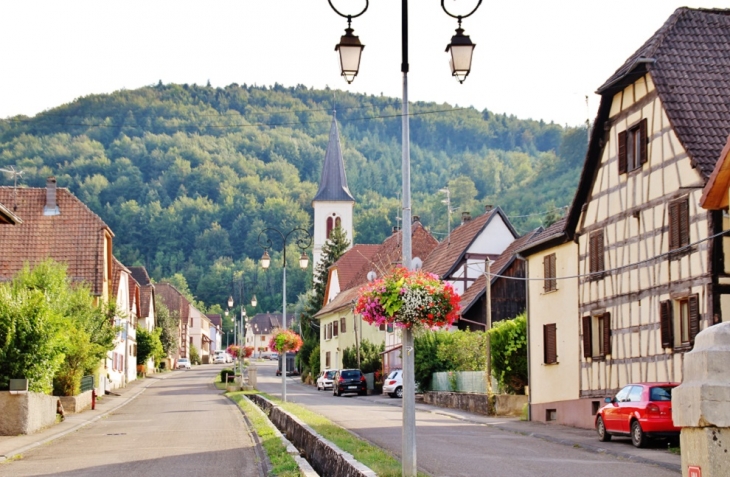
449,253
215,318
389,254
352,261
75,236
384,259
477,289
146,289
173,300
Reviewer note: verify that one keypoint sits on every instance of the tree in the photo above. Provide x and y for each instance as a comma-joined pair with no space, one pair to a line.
149,346
50,332
194,355
332,250
509,353
370,357
168,324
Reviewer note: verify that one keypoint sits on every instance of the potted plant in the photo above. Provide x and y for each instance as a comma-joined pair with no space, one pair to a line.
408,299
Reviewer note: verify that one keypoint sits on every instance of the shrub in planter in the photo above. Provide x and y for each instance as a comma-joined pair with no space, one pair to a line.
225,373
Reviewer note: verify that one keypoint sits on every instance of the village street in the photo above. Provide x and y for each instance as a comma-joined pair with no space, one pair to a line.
178,426
452,447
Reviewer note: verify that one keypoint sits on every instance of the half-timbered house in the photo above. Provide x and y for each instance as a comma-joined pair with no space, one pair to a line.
648,255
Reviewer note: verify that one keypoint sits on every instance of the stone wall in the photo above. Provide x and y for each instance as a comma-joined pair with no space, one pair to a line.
78,403
26,413
502,404
324,456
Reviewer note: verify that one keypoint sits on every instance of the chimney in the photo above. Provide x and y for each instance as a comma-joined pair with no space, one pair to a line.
465,217
396,229
51,207
416,219
488,208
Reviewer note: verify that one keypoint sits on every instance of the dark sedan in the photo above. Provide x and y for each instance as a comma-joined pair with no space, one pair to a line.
349,381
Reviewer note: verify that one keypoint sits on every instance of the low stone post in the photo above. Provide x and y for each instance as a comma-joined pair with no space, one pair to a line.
701,405
252,376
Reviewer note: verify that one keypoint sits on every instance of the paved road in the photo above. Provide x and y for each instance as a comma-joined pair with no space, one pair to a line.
179,426
450,447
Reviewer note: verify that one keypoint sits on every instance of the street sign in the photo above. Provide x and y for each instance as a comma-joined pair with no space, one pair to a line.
694,471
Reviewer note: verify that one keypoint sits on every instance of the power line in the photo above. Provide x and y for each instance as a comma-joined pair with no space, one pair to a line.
610,270
257,124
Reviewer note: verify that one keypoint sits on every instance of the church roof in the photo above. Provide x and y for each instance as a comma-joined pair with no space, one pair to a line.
333,184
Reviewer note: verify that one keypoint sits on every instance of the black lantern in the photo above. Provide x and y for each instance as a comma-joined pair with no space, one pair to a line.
350,50
461,49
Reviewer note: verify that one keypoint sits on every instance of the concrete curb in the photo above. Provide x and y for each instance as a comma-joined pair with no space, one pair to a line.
305,469
26,448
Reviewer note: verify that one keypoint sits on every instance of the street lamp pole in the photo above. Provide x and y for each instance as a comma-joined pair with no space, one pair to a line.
303,241
460,49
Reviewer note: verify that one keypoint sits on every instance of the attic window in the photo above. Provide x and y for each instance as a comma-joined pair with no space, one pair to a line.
632,148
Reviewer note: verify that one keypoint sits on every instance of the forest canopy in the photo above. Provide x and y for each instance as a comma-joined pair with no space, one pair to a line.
187,176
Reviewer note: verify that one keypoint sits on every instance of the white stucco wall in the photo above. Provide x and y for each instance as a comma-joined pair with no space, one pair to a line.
323,210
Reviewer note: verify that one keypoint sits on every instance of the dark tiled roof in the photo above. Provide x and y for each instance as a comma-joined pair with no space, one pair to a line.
477,289
75,236
689,61
333,184
264,323
140,274
215,318
543,238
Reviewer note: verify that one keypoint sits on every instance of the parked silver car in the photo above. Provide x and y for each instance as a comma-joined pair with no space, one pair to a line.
325,379
183,363
393,384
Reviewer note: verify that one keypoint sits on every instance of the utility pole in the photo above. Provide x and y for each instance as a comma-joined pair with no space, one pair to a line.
488,276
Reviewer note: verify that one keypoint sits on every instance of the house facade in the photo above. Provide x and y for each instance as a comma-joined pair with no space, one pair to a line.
147,318
552,311
649,257
121,362
179,308
199,333
260,330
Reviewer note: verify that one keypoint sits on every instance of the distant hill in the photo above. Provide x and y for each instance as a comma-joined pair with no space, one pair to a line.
188,175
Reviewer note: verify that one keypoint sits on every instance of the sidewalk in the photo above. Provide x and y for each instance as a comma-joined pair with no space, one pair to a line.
585,439
14,445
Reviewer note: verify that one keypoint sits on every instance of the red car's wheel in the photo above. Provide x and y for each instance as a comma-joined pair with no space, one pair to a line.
603,436
638,438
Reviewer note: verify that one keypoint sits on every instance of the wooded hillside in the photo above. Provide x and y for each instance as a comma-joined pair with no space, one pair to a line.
187,176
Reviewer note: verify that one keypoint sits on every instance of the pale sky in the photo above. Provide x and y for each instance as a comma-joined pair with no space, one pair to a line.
534,58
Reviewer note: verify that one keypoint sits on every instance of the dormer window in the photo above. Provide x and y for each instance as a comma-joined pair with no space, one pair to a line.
632,147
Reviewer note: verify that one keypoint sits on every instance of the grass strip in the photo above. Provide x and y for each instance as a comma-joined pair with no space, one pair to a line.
283,465
382,462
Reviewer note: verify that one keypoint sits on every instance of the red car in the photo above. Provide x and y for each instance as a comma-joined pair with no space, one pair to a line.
641,411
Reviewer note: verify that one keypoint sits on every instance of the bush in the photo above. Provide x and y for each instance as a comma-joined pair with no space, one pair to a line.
149,346
305,374
225,372
194,355
509,353
370,357
426,346
314,360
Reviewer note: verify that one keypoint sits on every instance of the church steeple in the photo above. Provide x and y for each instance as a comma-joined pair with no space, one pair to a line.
333,202
333,184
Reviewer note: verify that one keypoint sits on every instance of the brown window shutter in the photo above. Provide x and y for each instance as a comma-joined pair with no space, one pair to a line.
666,322
546,273
593,253
553,272
643,141
673,225
694,317
342,325
600,252
622,160
683,212
335,327
587,337
606,333
550,344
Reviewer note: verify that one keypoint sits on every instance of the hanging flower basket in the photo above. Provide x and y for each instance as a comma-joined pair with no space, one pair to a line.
408,299
285,340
